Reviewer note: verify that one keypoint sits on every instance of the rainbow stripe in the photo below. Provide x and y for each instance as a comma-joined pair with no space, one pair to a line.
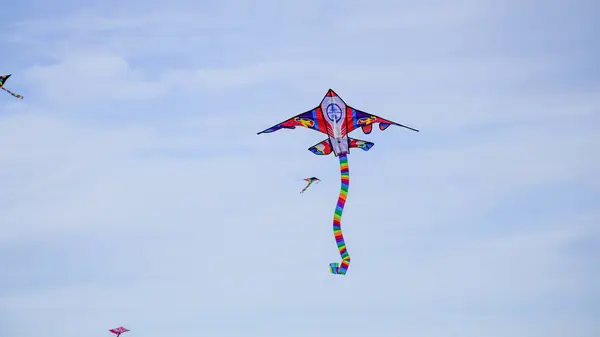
341,268
10,92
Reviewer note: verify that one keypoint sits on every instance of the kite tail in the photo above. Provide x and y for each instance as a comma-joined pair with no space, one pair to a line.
304,189
341,268
12,93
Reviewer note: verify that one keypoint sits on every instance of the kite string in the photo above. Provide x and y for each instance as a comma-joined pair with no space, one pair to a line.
341,268
10,92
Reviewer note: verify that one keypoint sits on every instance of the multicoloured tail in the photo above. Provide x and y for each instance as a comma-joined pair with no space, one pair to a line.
10,92
3,79
341,268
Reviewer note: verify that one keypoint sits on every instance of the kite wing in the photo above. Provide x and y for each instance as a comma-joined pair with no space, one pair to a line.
118,331
358,118
3,79
312,119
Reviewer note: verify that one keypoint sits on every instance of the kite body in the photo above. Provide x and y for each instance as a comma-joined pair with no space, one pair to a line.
336,119
3,79
310,181
118,331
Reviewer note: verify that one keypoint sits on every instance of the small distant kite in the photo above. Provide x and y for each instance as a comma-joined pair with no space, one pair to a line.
118,331
3,79
336,119
310,181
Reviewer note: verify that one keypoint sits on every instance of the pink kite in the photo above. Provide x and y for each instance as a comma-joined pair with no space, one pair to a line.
118,331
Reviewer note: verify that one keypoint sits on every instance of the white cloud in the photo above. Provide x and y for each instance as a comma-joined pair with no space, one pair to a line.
92,76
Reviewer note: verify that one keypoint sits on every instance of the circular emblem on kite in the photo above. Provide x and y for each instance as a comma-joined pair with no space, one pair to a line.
333,112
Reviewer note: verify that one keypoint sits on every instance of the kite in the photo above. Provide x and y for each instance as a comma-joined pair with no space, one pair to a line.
118,331
336,119
310,181
3,79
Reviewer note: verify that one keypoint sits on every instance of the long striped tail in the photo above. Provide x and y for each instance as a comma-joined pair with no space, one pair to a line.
341,268
304,189
12,93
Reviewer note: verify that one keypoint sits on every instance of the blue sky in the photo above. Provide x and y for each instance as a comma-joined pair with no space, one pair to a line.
136,192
